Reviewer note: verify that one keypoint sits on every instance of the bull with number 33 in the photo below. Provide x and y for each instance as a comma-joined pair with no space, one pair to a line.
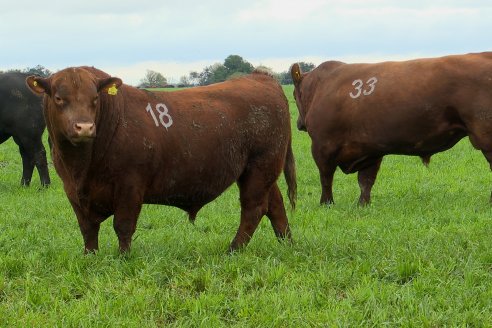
357,113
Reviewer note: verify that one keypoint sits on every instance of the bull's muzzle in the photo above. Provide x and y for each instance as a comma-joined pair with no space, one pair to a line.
84,130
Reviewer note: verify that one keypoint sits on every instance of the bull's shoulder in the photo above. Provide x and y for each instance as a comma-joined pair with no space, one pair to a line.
330,65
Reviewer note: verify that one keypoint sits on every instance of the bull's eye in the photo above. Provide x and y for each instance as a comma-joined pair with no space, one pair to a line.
96,98
58,100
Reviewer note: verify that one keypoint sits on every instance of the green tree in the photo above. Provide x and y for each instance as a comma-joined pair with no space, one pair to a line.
194,78
220,73
38,70
153,79
205,77
14,70
233,65
286,78
306,67
184,81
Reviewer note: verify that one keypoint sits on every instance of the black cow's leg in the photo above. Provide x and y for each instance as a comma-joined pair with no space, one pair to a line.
276,214
366,178
27,161
3,137
42,164
253,193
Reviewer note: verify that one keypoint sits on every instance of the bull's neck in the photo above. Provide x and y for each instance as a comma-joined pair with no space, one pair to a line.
81,160
72,161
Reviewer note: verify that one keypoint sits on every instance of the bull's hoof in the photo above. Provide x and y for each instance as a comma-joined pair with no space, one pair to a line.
364,202
328,202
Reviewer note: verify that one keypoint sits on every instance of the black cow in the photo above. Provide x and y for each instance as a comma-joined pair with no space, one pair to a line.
21,117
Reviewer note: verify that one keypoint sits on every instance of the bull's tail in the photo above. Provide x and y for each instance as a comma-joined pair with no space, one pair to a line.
290,176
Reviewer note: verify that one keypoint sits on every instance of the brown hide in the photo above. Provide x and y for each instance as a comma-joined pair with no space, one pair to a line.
357,113
180,148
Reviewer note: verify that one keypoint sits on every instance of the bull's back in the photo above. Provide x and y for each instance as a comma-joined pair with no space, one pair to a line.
400,104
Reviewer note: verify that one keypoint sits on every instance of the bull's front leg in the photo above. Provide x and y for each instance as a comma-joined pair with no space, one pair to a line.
90,233
89,224
366,178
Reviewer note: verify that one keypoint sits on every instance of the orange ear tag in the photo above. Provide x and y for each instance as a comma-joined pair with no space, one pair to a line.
113,91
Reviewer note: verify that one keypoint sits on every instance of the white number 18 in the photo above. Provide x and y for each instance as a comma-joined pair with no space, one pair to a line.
163,113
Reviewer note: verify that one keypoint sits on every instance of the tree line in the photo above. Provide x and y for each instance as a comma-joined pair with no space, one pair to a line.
233,66
37,70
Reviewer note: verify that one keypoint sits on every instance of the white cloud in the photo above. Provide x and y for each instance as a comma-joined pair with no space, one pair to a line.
281,10
126,37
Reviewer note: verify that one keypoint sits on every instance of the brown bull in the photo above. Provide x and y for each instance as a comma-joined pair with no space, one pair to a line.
116,147
357,113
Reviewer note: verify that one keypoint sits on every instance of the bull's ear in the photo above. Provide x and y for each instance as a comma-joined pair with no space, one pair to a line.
38,84
109,85
296,73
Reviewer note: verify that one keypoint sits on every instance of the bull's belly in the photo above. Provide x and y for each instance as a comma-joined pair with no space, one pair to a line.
356,156
188,195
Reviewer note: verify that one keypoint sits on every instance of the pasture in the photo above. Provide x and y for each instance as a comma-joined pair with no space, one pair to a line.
419,255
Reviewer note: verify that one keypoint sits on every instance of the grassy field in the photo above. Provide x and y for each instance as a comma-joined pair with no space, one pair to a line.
419,256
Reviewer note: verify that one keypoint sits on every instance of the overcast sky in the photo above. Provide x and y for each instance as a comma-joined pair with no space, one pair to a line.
125,38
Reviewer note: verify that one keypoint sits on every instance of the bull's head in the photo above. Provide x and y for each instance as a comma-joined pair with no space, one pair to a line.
297,77
72,102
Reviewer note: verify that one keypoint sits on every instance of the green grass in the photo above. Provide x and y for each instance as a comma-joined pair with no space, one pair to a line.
420,255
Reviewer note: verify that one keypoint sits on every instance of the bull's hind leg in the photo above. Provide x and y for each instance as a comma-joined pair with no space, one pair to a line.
326,174
481,139
130,199
276,214
125,224
488,155
366,178
327,170
254,187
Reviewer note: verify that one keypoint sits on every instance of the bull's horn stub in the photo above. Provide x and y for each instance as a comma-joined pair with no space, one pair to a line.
113,90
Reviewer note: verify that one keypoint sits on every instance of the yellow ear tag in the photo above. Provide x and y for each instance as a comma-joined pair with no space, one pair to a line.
113,91
298,75
35,83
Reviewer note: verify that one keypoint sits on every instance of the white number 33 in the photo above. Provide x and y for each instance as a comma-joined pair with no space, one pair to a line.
358,84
